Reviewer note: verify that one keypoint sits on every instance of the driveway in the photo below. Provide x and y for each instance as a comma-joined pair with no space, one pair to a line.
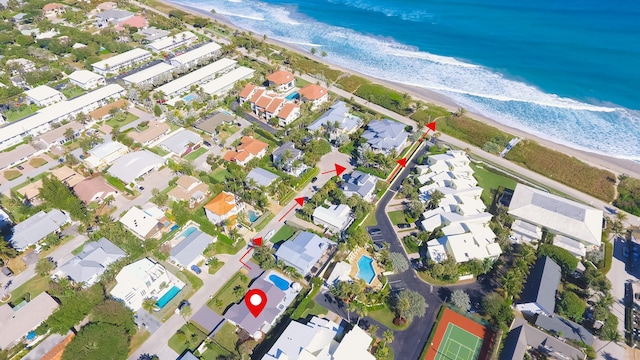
154,180
6,187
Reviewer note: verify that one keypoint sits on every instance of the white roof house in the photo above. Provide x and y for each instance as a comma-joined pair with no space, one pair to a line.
41,121
304,251
312,340
354,345
133,165
149,74
16,322
200,76
261,176
105,154
577,227
181,143
141,280
192,57
339,112
86,79
44,95
172,42
113,64
37,227
336,218
225,83
477,241
143,223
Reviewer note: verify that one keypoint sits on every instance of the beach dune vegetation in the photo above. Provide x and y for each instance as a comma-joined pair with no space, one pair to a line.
304,65
351,83
628,195
385,97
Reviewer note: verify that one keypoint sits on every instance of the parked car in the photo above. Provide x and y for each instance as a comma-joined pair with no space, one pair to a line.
141,188
375,231
196,269
404,226
20,167
314,179
81,157
206,143
183,304
7,272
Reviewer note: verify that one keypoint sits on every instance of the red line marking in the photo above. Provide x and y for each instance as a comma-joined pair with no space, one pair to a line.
326,172
245,254
287,213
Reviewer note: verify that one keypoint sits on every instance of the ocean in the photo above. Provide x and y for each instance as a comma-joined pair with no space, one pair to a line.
567,71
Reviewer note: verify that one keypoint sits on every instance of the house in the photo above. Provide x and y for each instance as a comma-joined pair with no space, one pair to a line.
540,291
52,349
303,341
134,165
110,17
145,224
226,82
137,22
44,95
20,66
359,183
304,252
36,228
154,131
53,10
198,56
19,18
386,135
105,154
144,279
471,242
94,190
261,177
152,34
268,105
67,175
315,94
151,76
189,250
577,228
189,189
289,112
281,80
524,339
570,330
289,159
247,92
115,64
17,321
222,208
204,74
336,121
86,79
208,320
16,156
279,300
173,42
248,149
91,263
210,124
181,143
335,218
105,112
58,136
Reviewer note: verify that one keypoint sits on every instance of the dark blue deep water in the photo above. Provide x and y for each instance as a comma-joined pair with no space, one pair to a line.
568,70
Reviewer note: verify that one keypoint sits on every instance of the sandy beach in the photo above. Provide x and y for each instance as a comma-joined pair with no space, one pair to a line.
616,165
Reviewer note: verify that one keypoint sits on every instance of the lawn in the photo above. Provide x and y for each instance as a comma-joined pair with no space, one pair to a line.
263,221
221,247
37,162
130,118
385,317
12,174
137,340
313,308
72,92
283,234
220,174
397,217
226,130
410,245
212,269
230,293
195,281
158,151
371,219
196,154
224,344
34,287
490,181
21,112
187,337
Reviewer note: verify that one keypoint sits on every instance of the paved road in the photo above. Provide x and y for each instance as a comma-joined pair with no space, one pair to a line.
7,186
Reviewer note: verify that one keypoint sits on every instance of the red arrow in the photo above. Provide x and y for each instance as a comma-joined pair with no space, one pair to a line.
300,202
402,162
339,170
257,241
431,126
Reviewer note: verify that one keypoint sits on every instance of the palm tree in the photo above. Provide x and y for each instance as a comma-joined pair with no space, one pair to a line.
435,198
527,253
149,305
362,312
350,307
387,337
313,51
372,330
511,284
186,312
6,251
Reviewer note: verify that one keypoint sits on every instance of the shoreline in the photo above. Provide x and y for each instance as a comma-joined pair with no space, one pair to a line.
616,165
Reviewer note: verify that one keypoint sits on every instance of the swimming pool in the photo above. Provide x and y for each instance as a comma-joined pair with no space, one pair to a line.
189,97
253,216
293,95
164,300
281,283
189,231
365,269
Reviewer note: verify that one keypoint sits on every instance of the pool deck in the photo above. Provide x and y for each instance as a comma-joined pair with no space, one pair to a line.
354,257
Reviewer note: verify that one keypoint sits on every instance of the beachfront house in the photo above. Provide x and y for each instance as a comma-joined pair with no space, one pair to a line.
281,81
315,94
386,135
336,121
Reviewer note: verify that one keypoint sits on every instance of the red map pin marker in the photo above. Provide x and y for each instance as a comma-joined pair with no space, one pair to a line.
255,300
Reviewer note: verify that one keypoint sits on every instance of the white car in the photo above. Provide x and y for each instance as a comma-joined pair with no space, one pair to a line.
269,234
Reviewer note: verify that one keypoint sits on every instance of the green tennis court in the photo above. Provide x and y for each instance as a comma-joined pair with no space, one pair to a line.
458,344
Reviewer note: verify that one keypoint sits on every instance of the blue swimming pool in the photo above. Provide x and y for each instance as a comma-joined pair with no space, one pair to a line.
281,283
31,335
189,231
365,269
167,297
293,95
189,97
253,216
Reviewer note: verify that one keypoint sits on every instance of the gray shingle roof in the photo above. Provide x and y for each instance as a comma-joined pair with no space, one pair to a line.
523,335
36,228
277,153
569,329
340,113
358,183
207,319
303,251
94,259
113,14
385,134
542,284
190,248
261,176
239,313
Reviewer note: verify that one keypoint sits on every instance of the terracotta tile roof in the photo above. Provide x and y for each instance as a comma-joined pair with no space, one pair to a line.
100,113
222,204
58,350
280,77
248,146
312,92
67,175
286,110
264,101
136,22
275,104
257,95
52,6
247,91
85,190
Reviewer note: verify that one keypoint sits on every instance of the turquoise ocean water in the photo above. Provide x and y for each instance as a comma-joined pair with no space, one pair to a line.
564,70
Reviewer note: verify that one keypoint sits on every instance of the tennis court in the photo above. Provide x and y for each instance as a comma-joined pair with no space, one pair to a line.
458,344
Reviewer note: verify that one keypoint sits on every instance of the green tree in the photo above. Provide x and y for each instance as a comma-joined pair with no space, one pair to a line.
264,256
98,341
511,284
185,312
387,337
399,263
44,267
313,51
497,308
6,251
372,330
116,313
567,261
149,304
410,304
461,299
571,306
